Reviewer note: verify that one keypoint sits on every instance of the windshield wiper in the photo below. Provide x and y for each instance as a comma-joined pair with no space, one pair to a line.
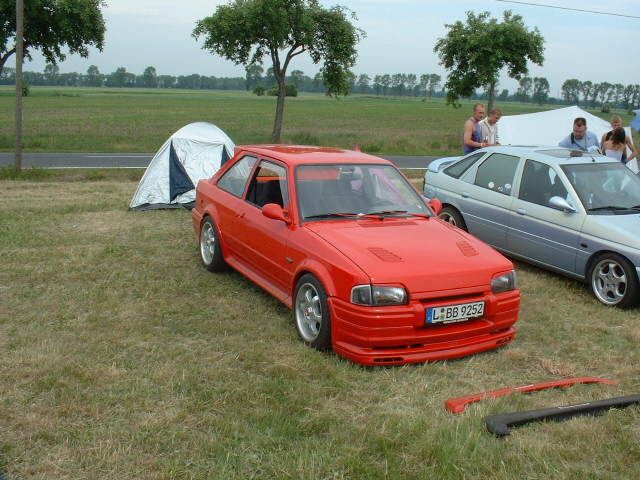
398,212
610,207
333,215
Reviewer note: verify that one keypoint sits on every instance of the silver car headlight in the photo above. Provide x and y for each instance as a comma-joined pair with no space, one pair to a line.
504,282
378,295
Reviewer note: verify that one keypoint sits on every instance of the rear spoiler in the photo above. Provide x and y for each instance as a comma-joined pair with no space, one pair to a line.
499,424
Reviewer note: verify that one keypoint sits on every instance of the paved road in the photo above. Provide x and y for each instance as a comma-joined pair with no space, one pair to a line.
138,160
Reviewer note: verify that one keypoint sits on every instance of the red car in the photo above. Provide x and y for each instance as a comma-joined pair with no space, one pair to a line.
345,241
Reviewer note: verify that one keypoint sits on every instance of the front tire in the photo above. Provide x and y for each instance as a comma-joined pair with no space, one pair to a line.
614,281
452,216
311,313
210,248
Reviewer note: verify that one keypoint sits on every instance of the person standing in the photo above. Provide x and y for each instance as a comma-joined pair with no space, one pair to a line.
472,138
489,127
616,122
580,138
615,146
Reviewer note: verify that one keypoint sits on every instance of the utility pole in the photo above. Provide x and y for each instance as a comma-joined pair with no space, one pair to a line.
19,56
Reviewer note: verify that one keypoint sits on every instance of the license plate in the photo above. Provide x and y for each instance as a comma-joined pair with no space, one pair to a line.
455,313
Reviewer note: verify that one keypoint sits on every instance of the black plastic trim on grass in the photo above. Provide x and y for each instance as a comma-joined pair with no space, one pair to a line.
500,424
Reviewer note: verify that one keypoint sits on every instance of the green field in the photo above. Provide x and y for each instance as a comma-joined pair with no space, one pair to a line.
138,120
122,358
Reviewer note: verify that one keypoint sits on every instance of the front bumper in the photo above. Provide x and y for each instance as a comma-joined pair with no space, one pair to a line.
399,335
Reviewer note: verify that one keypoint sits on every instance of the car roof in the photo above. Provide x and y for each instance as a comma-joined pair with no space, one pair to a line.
309,155
551,154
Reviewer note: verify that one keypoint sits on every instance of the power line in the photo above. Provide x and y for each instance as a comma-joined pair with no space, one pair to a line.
567,8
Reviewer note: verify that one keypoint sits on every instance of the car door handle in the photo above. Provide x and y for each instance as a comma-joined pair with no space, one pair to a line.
240,215
521,211
464,194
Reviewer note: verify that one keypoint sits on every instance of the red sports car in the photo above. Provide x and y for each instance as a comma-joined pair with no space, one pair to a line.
345,241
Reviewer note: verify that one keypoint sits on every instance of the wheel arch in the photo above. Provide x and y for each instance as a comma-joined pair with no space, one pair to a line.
319,271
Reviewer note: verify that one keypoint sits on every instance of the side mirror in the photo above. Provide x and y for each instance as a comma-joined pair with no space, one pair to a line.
275,212
561,204
435,205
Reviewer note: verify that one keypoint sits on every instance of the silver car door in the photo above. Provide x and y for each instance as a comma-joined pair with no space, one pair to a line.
485,203
538,231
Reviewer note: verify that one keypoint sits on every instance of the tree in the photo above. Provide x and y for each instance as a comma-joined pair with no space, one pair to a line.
475,52
94,77
586,89
296,78
540,90
524,89
245,31
571,90
150,78
51,73
253,76
363,83
433,83
50,26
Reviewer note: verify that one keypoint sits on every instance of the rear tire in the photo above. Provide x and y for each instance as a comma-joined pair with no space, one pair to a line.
210,248
614,281
311,313
454,217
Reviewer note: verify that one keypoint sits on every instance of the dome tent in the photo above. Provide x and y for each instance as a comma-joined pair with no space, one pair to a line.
194,152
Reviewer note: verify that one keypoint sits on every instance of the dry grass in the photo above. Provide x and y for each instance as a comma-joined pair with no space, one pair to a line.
120,357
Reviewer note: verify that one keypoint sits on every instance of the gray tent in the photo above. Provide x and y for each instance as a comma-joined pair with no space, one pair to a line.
194,152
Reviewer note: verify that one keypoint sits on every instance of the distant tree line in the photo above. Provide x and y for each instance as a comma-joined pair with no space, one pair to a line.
535,90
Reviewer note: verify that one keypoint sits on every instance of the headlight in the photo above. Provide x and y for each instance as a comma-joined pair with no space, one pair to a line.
378,295
504,282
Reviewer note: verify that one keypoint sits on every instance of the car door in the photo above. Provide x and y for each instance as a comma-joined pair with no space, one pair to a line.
232,206
538,231
265,239
486,197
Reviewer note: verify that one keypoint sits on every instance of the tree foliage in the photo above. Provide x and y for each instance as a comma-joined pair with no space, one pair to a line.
50,26
474,52
247,31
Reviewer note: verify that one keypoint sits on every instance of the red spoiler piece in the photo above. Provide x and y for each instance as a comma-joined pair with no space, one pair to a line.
459,404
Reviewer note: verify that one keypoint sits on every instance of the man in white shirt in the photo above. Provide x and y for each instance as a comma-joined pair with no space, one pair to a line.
489,127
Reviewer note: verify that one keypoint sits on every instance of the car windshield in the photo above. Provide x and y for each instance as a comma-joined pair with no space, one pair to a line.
352,190
605,188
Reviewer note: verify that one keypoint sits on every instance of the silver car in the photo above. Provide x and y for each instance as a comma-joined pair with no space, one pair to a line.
577,215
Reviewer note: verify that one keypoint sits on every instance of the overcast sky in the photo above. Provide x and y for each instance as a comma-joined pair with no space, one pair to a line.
400,35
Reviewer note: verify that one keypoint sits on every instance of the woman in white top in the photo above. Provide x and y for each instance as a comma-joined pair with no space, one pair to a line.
616,122
616,145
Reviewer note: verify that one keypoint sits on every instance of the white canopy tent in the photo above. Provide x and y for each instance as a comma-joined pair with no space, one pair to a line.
194,152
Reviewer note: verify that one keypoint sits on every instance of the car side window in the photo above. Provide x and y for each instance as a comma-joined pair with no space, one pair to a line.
235,179
269,185
539,183
457,169
497,172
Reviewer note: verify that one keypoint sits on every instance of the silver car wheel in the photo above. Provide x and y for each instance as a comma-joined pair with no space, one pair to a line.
447,217
207,243
609,282
308,312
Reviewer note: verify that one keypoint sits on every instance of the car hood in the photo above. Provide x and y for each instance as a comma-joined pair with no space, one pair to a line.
622,229
424,255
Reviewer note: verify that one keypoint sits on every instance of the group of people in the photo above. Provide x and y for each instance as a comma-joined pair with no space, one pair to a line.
613,144
481,131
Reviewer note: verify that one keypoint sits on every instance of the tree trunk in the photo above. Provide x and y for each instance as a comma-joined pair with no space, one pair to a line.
492,96
277,125
19,60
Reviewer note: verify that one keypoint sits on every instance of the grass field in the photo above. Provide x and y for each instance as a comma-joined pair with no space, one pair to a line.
138,120
122,358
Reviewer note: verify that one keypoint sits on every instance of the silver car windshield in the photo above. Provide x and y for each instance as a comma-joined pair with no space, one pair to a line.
605,188
352,190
